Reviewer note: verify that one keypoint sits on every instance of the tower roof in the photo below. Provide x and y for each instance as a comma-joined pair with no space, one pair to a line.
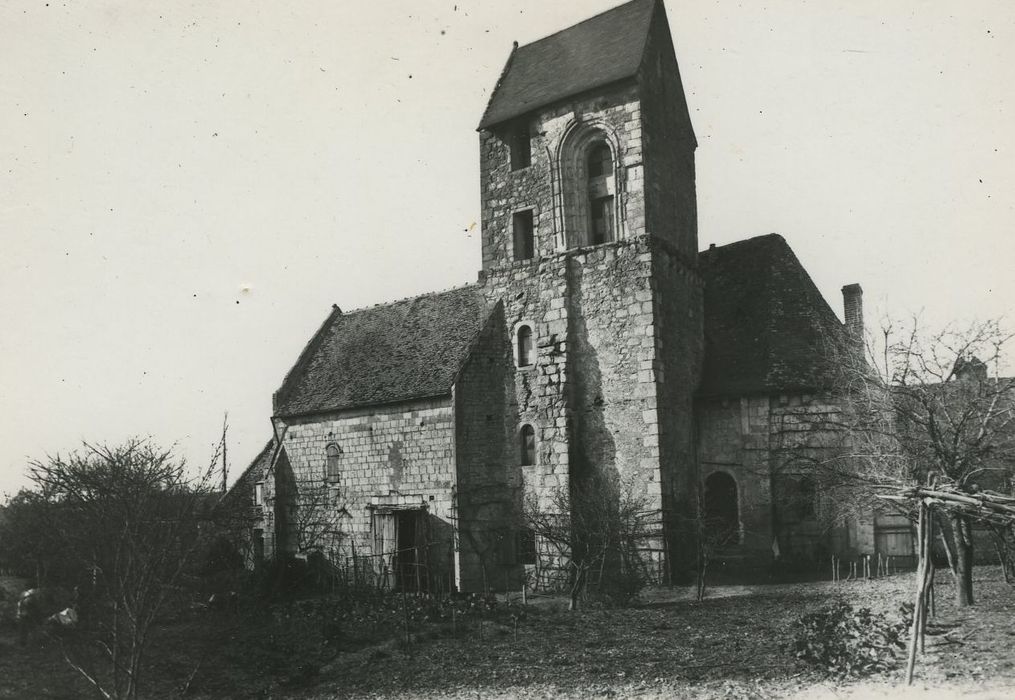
599,51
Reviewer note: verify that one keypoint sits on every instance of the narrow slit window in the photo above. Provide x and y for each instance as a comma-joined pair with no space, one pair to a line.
523,235
334,454
259,493
520,143
525,354
527,443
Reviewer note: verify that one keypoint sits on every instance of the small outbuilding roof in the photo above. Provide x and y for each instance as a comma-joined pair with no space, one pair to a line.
599,51
767,327
404,350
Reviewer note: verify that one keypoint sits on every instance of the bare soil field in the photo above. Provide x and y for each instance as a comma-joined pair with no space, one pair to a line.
735,644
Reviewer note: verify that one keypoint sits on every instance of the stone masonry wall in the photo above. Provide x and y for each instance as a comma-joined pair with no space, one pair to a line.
533,293
489,478
679,346
734,438
400,455
611,345
538,187
766,443
671,205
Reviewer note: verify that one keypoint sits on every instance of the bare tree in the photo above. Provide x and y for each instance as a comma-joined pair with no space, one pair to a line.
596,530
317,520
127,518
927,404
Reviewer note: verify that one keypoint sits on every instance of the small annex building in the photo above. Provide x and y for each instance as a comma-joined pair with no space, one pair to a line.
597,340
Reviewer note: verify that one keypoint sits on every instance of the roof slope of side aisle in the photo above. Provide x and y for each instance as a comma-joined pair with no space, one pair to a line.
767,327
408,349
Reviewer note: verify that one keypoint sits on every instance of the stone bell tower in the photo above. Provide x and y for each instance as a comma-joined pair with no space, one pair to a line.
589,239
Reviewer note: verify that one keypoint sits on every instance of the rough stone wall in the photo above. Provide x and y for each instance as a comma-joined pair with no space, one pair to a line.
593,393
538,187
489,478
734,438
611,350
765,443
679,346
613,342
534,293
671,208
400,455
805,440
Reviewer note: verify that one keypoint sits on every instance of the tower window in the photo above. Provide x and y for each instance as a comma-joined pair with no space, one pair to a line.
527,443
525,353
334,453
521,145
602,220
259,493
523,235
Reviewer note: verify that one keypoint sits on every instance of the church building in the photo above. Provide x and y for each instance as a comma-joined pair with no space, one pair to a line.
598,340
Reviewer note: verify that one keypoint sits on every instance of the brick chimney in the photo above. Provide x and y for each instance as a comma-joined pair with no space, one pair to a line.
852,303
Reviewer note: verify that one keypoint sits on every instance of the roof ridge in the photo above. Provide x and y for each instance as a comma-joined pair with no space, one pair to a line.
584,21
253,463
402,300
743,241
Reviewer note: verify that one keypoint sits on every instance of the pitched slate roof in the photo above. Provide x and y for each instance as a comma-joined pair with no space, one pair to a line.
408,349
255,471
242,490
767,327
601,50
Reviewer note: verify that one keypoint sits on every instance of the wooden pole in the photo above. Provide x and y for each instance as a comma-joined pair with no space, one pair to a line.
918,603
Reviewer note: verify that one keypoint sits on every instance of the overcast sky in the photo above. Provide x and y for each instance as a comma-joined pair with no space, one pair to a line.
187,187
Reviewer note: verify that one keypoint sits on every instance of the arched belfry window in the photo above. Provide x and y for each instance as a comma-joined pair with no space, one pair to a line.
333,455
589,188
527,445
525,350
722,509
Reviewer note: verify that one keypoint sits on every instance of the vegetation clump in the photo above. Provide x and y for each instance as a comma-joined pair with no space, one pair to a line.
848,642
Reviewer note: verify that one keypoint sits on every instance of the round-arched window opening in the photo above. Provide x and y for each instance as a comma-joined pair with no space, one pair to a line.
525,346
722,509
590,189
333,454
527,445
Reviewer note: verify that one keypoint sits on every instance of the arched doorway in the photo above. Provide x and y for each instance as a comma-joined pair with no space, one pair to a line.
722,509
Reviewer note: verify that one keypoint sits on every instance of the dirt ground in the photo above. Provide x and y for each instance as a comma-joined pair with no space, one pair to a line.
732,645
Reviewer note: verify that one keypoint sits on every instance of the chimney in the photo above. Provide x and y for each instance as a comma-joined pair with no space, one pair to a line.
852,304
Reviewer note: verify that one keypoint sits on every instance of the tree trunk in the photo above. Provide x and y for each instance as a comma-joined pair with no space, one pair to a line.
963,541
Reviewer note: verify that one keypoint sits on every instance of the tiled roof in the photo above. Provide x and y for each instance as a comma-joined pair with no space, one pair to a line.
767,327
405,350
599,51
242,490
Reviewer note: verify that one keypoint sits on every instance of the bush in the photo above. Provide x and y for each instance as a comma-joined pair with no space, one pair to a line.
847,642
